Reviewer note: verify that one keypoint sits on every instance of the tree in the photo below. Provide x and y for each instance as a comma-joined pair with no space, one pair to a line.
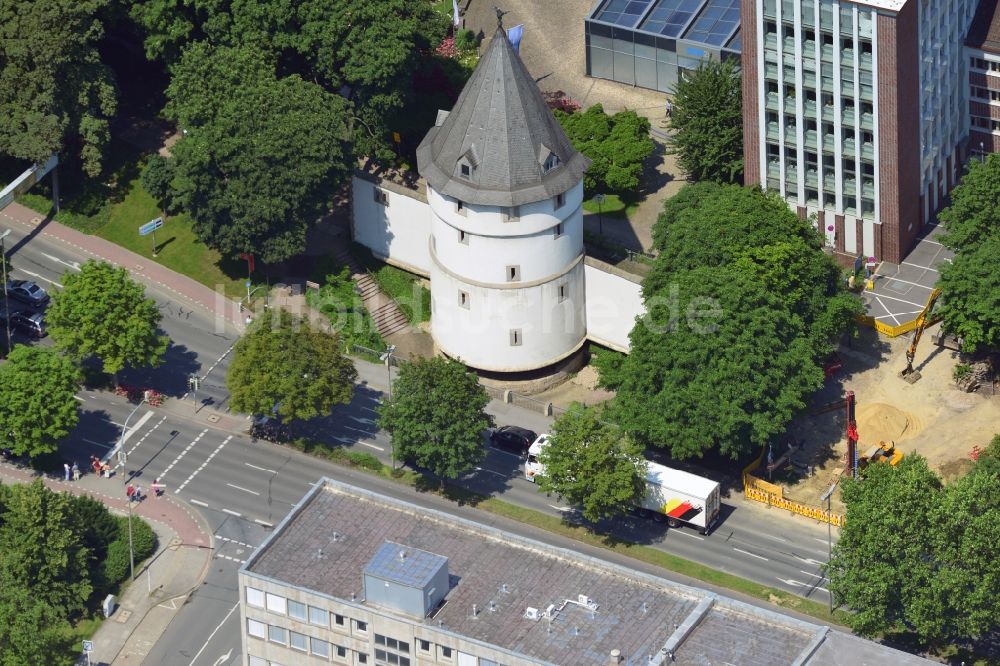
970,283
157,178
930,568
288,363
617,146
102,312
367,51
436,417
261,161
742,309
37,400
592,465
707,119
55,93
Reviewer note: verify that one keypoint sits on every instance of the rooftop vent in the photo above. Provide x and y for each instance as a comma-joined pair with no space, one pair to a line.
531,613
406,579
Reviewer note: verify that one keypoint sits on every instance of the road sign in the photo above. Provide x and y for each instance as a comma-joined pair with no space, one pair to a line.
150,226
88,646
248,284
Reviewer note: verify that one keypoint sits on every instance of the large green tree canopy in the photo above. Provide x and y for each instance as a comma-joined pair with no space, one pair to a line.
436,416
707,119
101,311
742,308
55,93
262,155
287,363
617,146
367,51
38,406
970,283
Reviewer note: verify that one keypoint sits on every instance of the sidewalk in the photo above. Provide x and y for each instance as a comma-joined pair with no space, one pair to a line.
162,584
143,269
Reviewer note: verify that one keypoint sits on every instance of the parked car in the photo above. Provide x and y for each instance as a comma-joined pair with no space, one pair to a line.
513,438
30,323
28,292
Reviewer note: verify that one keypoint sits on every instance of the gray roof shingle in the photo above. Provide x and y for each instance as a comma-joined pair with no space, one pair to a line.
503,128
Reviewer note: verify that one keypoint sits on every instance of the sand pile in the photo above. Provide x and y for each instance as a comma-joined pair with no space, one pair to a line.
881,422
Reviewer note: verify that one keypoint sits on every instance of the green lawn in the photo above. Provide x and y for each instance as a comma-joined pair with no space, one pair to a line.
403,287
177,246
613,206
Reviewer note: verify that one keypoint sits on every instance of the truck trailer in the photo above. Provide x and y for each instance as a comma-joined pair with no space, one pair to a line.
671,495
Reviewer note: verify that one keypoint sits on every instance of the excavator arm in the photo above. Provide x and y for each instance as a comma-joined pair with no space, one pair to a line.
923,320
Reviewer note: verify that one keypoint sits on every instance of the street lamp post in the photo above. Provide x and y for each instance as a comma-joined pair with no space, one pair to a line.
599,199
6,303
122,459
829,536
387,357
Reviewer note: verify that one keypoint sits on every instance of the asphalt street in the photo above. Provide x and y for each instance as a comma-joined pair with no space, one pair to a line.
245,488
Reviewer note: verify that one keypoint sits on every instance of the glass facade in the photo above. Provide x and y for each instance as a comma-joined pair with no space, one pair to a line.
650,43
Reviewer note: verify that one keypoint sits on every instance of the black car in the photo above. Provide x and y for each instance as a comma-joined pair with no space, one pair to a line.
28,292
513,438
29,323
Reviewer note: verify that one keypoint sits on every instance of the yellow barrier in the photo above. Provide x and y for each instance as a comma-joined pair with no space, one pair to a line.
809,511
893,331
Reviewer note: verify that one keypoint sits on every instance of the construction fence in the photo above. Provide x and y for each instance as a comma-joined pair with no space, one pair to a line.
772,494
893,331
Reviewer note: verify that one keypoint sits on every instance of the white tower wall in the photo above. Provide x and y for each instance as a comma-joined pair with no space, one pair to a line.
481,313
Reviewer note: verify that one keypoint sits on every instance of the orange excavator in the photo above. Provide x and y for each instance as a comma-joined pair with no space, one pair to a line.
924,319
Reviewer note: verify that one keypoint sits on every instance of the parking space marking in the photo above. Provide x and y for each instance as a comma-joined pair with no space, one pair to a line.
371,446
893,298
926,268
888,311
890,278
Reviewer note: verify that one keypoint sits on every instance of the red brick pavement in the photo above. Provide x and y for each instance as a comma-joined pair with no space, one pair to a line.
144,269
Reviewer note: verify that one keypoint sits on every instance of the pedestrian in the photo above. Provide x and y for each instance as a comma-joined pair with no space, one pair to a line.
138,493
669,108
76,471
157,487
66,469
130,491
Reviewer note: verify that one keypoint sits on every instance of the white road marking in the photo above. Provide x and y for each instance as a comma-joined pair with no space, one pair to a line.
198,502
72,264
212,635
560,508
232,513
240,543
687,534
141,422
490,471
231,559
246,490
926,268
746,552
263,523
371,446
39,277
809,560
814,575
204,464
79,398
150,432
263,469
795,583
915,284
776,538
184,452
889,311
893,298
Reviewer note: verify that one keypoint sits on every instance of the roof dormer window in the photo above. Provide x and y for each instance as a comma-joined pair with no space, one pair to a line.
551,162
465,170
467,163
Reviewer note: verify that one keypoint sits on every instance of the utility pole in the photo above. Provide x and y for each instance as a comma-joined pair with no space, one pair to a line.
387,357
6,303
829,536
123,459
599,198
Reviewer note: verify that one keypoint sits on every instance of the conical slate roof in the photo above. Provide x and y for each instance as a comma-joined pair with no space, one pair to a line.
496,146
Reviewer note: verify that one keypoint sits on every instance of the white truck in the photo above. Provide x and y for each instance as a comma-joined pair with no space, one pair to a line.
672,495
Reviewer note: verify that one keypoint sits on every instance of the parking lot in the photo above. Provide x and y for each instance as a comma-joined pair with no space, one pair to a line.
901,290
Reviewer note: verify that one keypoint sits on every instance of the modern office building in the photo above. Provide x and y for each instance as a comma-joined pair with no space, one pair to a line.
857,112
354,577
983,53
650,43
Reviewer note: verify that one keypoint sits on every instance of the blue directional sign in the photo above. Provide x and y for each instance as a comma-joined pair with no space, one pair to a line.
150,226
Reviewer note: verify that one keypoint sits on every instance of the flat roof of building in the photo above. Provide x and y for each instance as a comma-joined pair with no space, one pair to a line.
715,23
325,542
985,30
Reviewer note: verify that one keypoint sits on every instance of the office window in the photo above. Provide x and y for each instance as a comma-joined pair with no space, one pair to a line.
562,293
319,617
361,627
445,652
277,634
463,299
339,620
513,273
298,641
423,646
381,196
515,337
296,610
341,651
255,597
560,200
770,27
463,237
256,629
319,648
276,604
362,658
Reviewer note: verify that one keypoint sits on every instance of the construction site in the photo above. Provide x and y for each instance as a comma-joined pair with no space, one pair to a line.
895,414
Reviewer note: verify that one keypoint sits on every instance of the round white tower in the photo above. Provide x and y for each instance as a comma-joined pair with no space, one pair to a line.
505,187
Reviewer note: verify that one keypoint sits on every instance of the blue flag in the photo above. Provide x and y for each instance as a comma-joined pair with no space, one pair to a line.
514,35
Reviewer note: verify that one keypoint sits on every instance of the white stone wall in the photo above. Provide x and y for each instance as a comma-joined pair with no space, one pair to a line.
613,304
395,232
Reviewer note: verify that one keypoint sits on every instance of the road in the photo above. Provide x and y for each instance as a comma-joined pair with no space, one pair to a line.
244,488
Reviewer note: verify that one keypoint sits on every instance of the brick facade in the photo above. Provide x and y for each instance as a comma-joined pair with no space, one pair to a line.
899,123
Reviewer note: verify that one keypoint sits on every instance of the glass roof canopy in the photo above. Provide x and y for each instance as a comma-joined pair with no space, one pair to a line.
712,22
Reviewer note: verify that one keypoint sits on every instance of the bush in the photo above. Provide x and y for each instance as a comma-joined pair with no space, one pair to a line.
609,365
345,310
466,40
364,461
115,567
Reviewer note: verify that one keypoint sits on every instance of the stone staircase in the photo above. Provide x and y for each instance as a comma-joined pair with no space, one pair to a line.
386,315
